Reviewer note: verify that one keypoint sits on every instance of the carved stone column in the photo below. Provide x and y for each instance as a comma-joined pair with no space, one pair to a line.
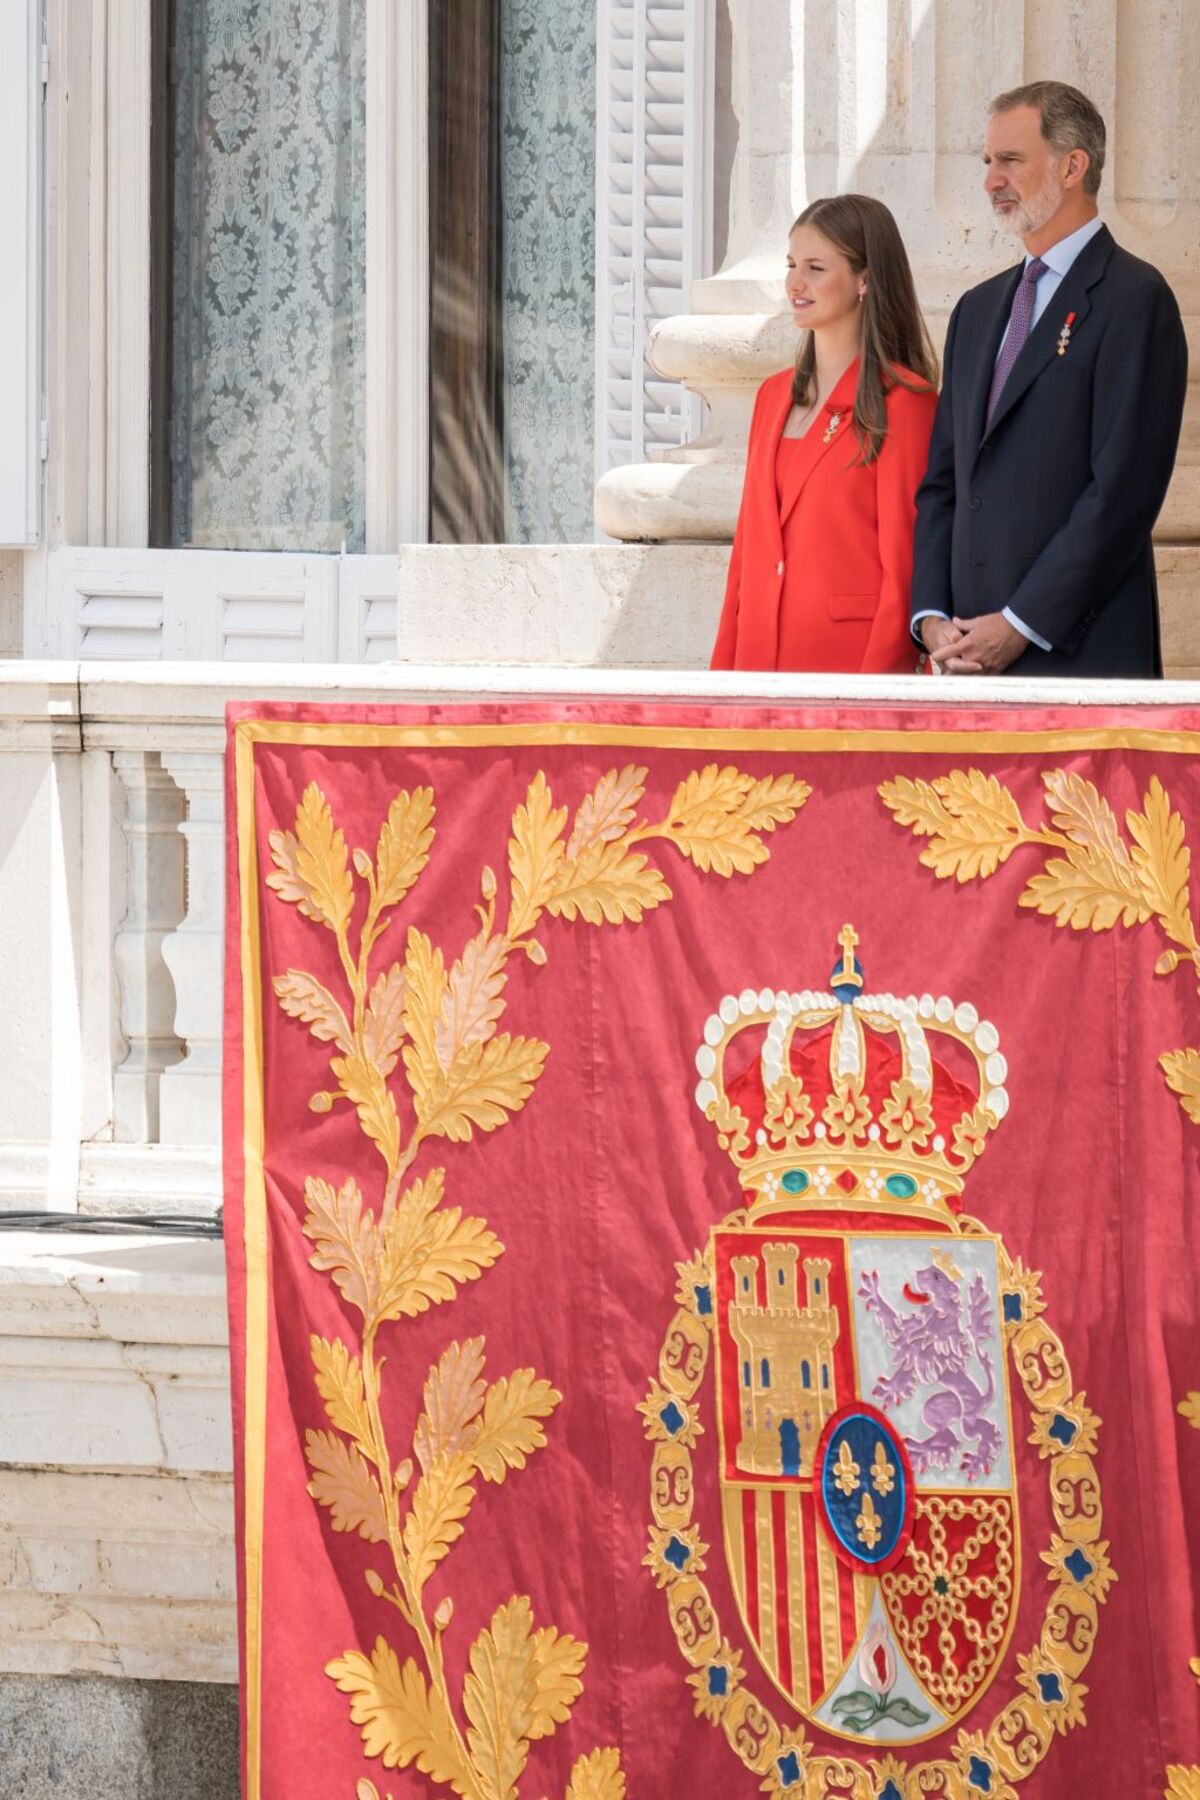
190,1092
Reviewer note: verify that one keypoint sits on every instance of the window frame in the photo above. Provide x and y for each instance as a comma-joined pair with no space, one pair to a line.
107,219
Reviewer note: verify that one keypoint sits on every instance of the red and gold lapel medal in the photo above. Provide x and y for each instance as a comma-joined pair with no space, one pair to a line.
860,1327
1064,336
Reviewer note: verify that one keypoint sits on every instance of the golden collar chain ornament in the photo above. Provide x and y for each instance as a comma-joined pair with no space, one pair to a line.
861,1327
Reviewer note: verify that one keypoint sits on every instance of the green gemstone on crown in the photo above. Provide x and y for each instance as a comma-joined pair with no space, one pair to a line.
795,1181
902,1186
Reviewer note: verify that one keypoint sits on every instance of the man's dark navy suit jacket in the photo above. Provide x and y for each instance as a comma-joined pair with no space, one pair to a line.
1049,510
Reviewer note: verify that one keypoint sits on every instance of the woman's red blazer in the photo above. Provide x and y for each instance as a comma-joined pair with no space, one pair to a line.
822,581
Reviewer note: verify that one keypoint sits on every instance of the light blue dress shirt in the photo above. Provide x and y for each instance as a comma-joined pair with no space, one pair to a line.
1058,260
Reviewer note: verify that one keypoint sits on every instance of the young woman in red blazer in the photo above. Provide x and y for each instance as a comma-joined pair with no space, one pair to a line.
822,557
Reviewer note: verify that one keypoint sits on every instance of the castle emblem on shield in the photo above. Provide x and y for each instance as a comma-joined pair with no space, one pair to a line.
859,1328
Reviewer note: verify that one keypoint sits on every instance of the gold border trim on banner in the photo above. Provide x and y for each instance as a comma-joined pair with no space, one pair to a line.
539,733
254,1237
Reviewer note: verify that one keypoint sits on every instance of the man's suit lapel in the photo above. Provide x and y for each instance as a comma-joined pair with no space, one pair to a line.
1072,296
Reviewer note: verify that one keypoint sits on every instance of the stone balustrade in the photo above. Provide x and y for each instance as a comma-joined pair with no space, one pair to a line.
115,1505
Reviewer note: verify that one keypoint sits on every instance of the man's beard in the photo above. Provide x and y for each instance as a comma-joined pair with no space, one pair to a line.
1033,213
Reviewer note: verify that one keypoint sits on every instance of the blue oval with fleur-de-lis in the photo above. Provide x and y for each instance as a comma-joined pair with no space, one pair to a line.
864,1488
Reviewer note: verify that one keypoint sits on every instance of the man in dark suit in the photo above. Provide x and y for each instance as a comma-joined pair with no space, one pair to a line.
1057,425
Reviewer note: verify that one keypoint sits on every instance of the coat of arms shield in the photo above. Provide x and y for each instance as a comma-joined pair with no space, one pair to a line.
860,1328
866,1467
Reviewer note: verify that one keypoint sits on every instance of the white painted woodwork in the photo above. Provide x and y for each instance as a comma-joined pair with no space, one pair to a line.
210,605
653,212
126,134
366,608
397,446
21,147
190,1091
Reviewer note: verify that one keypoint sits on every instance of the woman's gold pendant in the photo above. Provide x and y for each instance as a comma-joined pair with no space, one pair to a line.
831,428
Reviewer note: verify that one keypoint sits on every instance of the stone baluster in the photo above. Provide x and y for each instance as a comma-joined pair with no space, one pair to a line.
153,810
190,1103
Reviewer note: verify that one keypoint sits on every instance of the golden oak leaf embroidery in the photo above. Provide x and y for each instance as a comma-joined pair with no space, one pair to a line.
1189,1409
344,1236
384,1028
402,1720
500,1696
321,862
404,844
303,997
454,1395
597,1777
339,1378
510,1429
364,1086
441,1501
1182,1070
425,976
1182,1784
425,1251
394,1260
535,851
717,814
607,883
484,1084
472,1001
973,823
558,1665
342,1481
607,812
1095,881
1163,863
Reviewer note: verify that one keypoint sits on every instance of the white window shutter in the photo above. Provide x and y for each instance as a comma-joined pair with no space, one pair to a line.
653,212
21,139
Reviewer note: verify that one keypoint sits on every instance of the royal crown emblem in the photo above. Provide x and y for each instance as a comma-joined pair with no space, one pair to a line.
861,1444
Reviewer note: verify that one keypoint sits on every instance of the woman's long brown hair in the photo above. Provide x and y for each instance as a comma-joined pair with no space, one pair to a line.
894,338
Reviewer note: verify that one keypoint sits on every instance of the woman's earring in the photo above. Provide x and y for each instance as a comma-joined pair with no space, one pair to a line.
862,294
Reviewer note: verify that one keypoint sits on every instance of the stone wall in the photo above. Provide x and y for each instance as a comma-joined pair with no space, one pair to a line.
86,1737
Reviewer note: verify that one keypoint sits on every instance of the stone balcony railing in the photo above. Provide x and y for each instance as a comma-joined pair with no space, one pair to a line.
115,1504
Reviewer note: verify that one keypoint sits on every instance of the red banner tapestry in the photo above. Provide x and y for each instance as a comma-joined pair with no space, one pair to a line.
713,1251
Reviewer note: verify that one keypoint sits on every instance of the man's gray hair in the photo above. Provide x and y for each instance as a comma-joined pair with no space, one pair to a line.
1069,122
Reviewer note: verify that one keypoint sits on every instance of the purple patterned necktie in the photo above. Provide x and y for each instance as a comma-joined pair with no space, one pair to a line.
1019,321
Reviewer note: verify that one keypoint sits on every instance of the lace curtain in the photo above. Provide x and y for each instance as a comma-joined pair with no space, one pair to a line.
268,391
548,182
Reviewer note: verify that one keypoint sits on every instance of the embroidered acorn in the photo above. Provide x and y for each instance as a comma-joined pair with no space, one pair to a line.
444,1613
404,1474
374,1581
